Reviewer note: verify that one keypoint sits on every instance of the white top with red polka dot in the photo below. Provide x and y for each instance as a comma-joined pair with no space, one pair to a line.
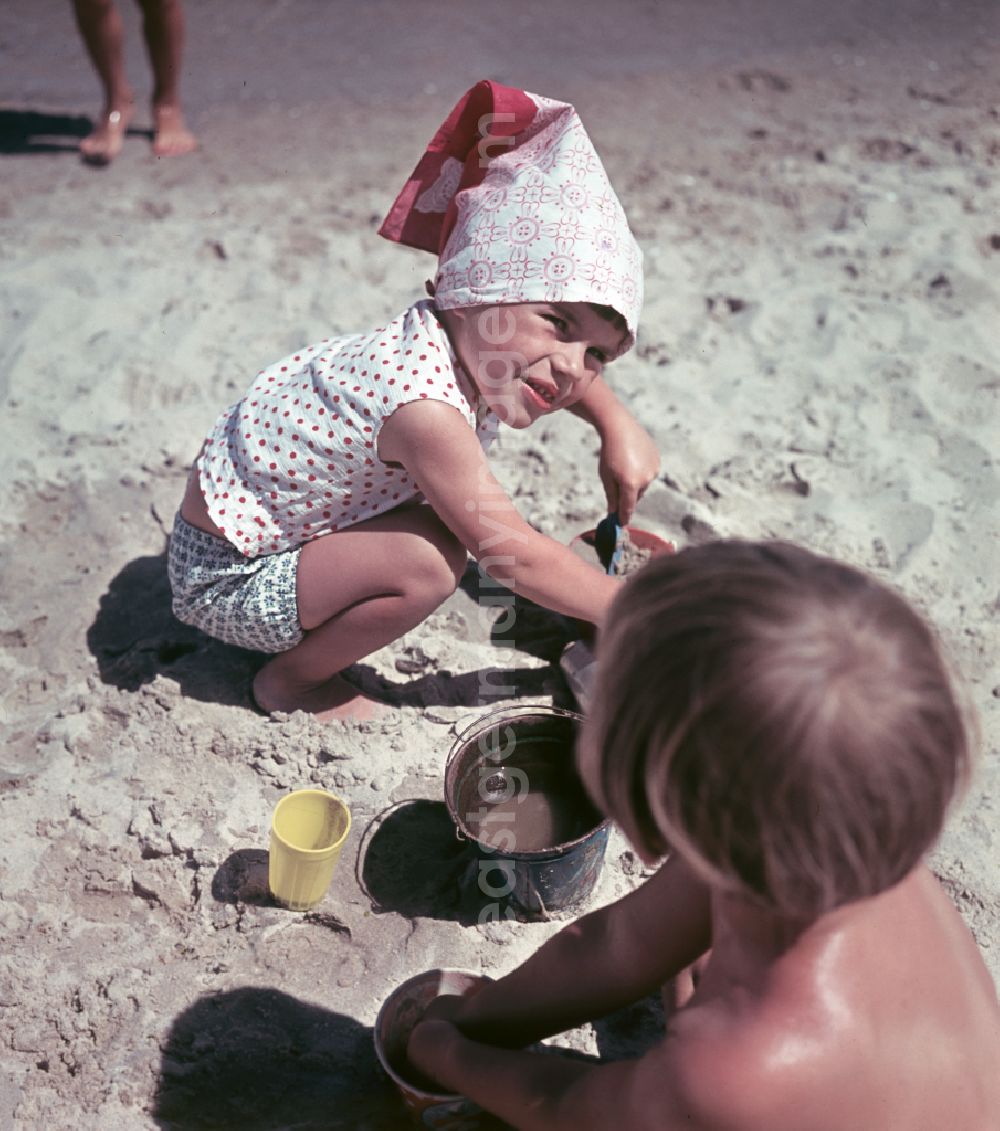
296,458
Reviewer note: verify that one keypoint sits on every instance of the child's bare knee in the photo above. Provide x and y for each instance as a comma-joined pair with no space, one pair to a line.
434,571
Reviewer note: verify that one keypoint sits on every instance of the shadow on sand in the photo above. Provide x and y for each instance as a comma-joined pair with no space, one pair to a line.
33,131
256,1058
135,637
519,624
410,862
630,1033
242,878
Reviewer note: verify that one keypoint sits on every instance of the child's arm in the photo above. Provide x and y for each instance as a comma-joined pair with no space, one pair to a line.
535,1091
629,459
442,454
602,962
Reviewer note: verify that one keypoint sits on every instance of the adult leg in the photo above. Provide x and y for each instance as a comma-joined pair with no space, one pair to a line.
163,31
101,29
359,590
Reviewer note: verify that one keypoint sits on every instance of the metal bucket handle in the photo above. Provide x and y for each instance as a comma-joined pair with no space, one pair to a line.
462,738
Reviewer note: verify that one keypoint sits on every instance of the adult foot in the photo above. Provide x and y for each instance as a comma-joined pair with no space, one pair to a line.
104,143
171,137
334,699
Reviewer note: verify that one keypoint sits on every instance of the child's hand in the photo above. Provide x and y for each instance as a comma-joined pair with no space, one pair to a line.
427,1046
629,462
444,1008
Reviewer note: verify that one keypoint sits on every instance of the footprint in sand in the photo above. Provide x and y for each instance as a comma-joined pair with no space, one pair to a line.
904,528
760,81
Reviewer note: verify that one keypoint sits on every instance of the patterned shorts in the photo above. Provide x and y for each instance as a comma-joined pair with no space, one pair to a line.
248,602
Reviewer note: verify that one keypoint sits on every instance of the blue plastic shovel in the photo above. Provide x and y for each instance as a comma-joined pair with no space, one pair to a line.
608,538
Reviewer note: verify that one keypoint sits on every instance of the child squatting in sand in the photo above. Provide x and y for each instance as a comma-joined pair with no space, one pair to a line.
783,725
332,509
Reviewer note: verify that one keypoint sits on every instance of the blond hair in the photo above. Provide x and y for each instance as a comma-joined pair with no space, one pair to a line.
782,719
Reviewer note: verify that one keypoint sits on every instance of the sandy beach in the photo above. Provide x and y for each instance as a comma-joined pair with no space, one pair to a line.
817,194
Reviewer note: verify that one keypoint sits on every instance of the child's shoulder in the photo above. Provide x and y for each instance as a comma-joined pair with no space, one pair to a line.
732,1064
840,1031
771,1062
828,1074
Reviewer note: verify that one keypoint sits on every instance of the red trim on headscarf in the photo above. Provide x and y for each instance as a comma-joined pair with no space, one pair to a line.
472,134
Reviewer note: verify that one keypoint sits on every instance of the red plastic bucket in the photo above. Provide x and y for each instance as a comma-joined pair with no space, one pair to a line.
400,1012
641,539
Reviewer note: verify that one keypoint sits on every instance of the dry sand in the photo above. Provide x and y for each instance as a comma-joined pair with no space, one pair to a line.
816,190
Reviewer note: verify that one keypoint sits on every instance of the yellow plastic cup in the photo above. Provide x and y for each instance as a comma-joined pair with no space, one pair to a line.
308,829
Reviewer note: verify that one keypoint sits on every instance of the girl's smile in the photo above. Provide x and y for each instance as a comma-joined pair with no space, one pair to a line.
542,394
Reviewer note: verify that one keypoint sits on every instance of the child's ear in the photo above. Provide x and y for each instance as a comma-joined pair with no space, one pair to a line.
429,288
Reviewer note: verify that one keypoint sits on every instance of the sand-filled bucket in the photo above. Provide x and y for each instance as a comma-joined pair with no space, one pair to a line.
512,789
640,545
400,1011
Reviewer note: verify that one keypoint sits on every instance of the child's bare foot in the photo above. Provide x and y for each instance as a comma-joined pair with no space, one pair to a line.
171,137
334,699
105,142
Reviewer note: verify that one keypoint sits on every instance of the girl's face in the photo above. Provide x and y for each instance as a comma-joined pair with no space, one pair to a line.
528,359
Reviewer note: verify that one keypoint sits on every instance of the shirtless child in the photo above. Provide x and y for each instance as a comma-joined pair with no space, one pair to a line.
784,726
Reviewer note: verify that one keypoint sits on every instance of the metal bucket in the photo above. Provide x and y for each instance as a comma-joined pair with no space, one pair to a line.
400,1011
512,789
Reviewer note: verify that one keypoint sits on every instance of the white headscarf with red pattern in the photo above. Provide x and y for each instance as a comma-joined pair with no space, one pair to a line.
514,200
